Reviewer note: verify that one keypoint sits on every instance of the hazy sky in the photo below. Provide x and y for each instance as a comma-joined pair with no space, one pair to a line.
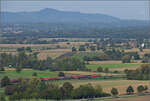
121,9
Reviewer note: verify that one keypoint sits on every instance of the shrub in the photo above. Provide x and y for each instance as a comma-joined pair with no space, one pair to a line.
130,90
126,71
82,48
5,81
116,71
74,49
114,92
106,70
2,69
61,74
34,74
66,89
9,90
145,88
84,91
2,97
18,69
140,89
126,59
100,69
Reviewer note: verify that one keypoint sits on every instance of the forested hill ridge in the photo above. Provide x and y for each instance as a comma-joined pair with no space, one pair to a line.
53,16
52,23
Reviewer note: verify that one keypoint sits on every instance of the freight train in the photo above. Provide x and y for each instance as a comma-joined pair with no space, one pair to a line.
68,77
71,77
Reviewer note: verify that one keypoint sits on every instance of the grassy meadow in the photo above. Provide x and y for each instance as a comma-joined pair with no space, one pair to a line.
94,67
26,74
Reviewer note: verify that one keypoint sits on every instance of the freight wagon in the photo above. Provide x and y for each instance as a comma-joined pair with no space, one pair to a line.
71,77
68,77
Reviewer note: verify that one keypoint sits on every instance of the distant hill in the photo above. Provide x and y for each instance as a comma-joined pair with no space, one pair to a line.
55,24
54,16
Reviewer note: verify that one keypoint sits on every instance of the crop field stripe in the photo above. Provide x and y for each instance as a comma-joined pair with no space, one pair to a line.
27,74
95,66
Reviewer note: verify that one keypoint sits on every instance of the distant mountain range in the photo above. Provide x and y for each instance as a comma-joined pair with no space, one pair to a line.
54,16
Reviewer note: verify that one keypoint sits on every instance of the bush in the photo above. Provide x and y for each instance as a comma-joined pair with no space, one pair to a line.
126,59
100,69
106,70
66,90
141,73
130,90
82,48
61,74
126,71
9,90
5,81
2,97
69,64
74,49
28,49
145,88
18,69
84,91
105,95
15,97
114,91
34,74
86,69
140,89
98,91
2,69
116,71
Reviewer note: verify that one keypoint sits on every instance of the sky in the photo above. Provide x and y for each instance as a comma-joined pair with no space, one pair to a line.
123,9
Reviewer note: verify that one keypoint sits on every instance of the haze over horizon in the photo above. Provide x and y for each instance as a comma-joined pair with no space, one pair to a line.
137,10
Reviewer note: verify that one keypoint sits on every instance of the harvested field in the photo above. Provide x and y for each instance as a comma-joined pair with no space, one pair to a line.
107,85
137,50
52,53
136,98
88,73
69,39
105,62
26,45
13,53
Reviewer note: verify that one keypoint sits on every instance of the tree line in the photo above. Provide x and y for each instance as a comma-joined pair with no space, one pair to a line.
111,54
37,89
139,74
24,60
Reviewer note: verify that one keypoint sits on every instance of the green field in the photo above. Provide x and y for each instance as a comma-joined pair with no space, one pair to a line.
27,74
110,66
88,54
